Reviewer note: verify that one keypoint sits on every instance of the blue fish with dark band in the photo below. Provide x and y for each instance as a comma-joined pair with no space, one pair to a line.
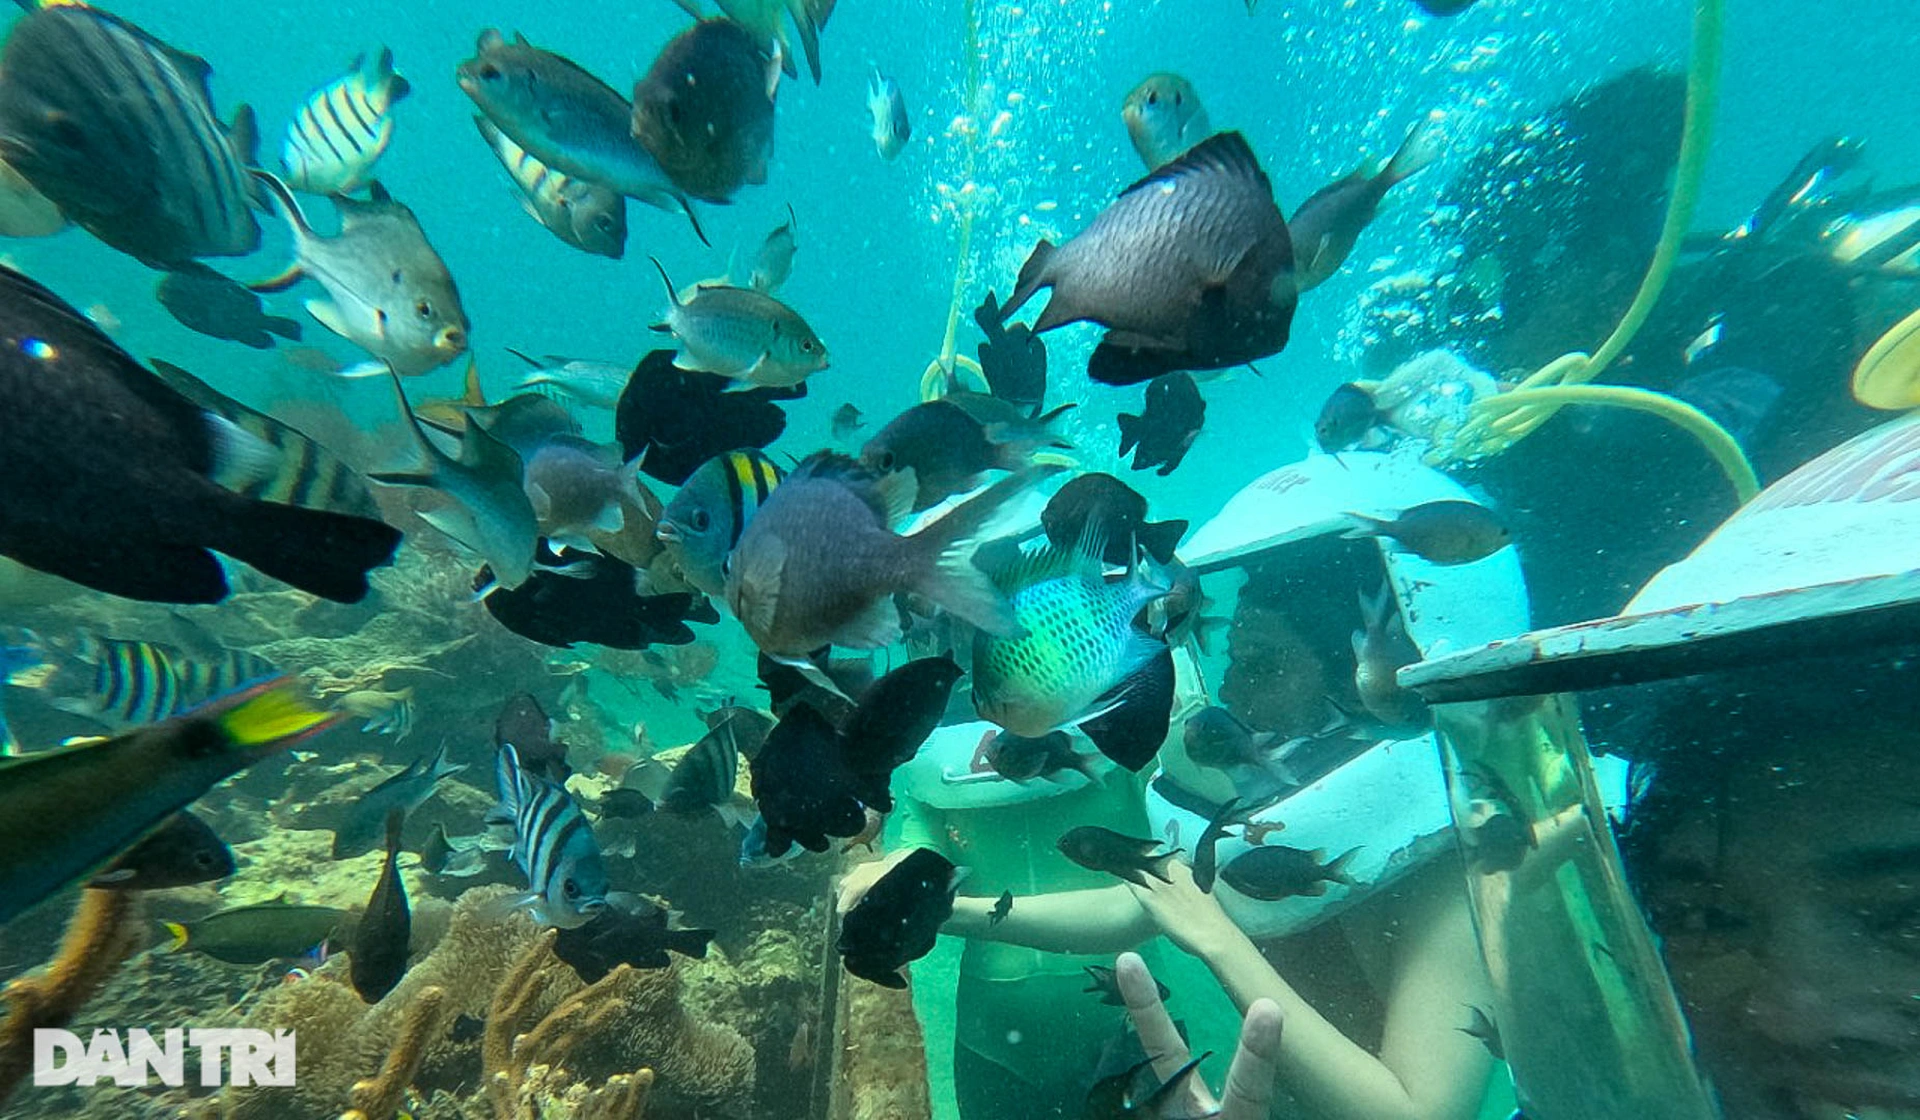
552,844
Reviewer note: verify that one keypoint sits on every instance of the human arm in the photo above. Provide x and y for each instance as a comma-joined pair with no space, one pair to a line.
1426,1069
1103,920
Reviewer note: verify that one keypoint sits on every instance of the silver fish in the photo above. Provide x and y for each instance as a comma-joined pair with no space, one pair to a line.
746,336
582,214
1164,118
596,384
343,128
1328,224
579,490
405,791
772,264
892,128
392,294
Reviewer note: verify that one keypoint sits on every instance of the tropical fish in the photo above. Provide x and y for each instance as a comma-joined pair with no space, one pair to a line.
1215,737
1325,227
489,511
802,784
1102,504
214,305
579,490
117,130
594,599
892,719
818,563
1164,118
772,264
1020,759
949,449
403,791
703,522
704,110
892,127
552,845
1481,1026
585,215
123,684
392,295
743,335
1012,358
622,804
25,212
1002,906
1272,872
162,478
525,724
179,853
380,941
386,712
1164,431
1349,413
846,421
630,931
598,384
1102,849
343,128
899,918
1443,532
66,813
1190,268
1380,647
1136,1094
1206,848
703,780
567,119
261,932
1102,982
763,19
677,419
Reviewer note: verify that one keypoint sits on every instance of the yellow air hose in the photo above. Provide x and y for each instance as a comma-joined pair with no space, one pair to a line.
950,366
1497,423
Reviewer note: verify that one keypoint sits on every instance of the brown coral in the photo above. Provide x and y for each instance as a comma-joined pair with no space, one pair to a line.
104,931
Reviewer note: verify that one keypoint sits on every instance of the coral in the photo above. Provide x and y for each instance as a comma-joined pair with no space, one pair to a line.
103,933
380,1097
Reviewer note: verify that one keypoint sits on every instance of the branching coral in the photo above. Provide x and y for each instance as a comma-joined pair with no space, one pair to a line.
103,933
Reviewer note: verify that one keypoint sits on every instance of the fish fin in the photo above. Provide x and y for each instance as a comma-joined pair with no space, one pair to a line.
1223,152
1161,538
241,459
1033,277
286,328
1336,872
1156,866
328,315
1420,149
672,294
243,136
274,713
178,934
1131,729
1131,431
110,878
942,565
763,569
1364,527
876,626
288,208
897,491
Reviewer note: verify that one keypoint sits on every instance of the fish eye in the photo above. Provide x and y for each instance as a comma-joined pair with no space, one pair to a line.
570,888
1153,98
806,344
604,223
489,72
423,309
886,461
701,521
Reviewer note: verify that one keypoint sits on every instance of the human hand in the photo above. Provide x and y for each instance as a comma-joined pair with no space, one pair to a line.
1249,1090
1191,918
855,884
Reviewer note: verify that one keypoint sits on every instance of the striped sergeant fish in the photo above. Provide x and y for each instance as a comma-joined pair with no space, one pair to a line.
552,845
582,214
122,683
343,128
117,129
704,520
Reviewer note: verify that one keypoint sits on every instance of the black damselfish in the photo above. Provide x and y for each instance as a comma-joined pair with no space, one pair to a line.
681,418
596,599
899,918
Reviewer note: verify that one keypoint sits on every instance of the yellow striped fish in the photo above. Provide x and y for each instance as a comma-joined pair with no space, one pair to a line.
582,214
122,683
340,132
704,520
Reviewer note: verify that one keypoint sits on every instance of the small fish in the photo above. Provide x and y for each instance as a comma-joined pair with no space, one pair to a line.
489,511
1380,647
1102,982
1164,431
800,1050
592,598
165,469
1444,7
630,931
179,853
773,263
703,522
123,684
552,845
386,712
567,119
1345,419
65,813
891,721
380,941
1012,358
212,304
392,295
25,212
622,804
892,127
1135,1094
703,779
1019,759
525,724
261,932
898,920
846,421
763,19
585,215
1164,118
801,782
1181,617
1102,849
405,790
1216,738
704,110
948,449
1116,511
1002,906
746,336
596,384
1272,872
676,419
343,128
1482,1027
818,564
1206,849
1328,224
579,490
438,851
1444,532
163,184
1190,268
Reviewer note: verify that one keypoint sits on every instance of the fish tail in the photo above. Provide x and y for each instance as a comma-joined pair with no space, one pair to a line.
1161,538
1130,432
288,208
1363,526
664,279
1336,872
274,713
1420,148
1157,865
943,568
178,935
1033,277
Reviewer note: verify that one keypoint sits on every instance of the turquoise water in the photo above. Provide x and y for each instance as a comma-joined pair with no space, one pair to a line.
1037,152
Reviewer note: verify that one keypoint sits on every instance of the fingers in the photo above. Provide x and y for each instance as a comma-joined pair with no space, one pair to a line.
1150,1019
1249,1091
